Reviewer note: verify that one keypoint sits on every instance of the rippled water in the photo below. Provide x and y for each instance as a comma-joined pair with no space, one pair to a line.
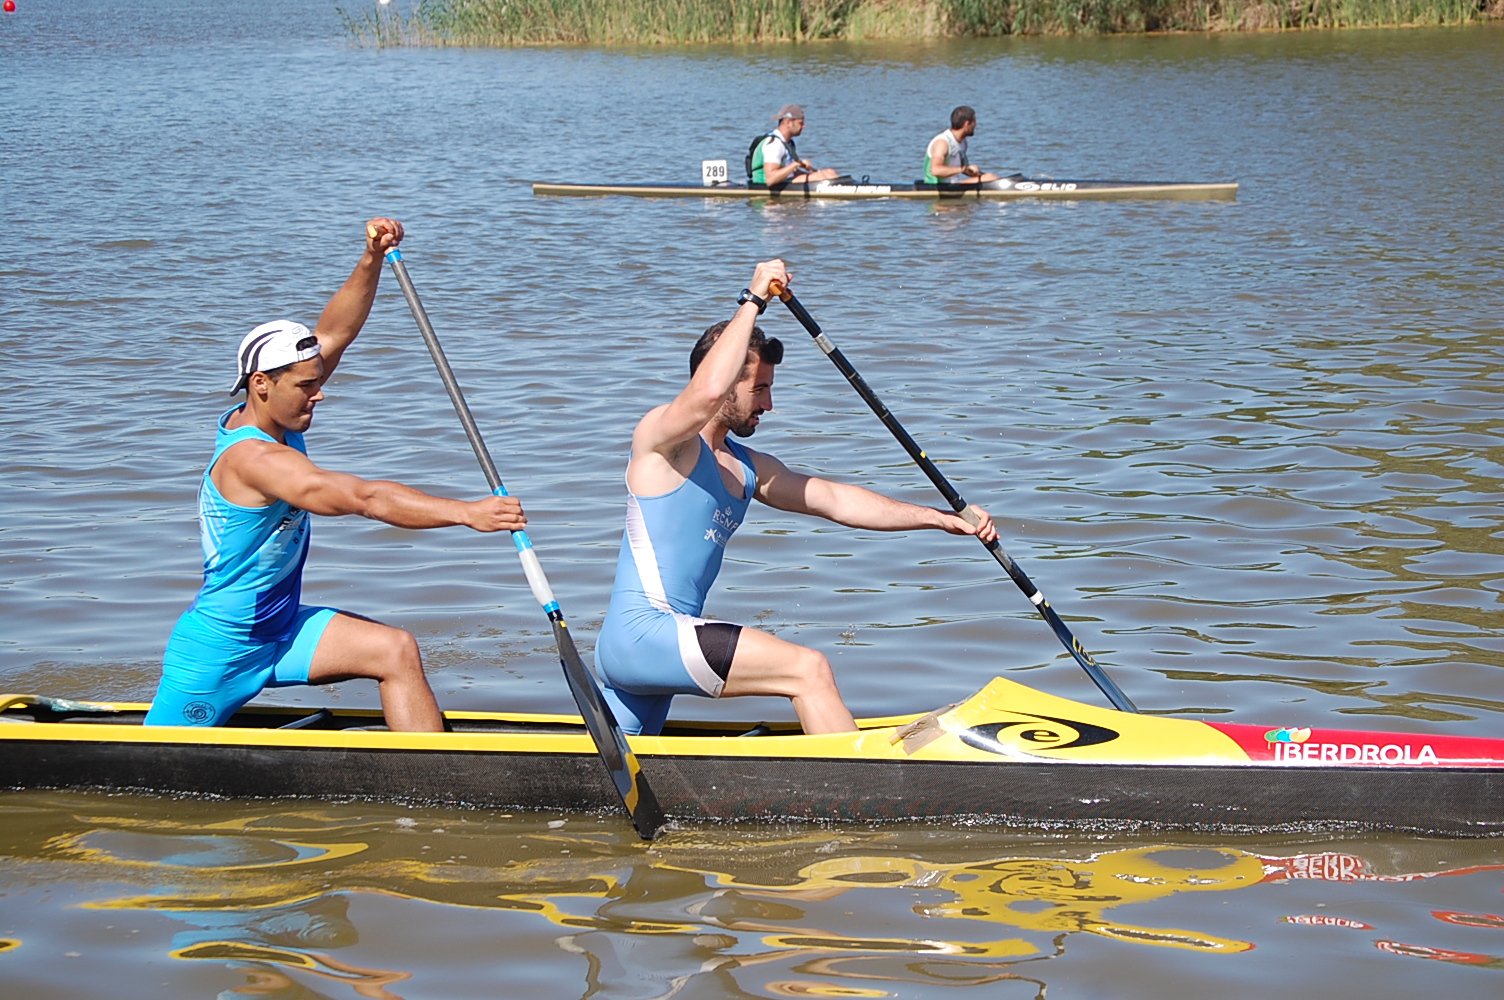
1249,449
343,901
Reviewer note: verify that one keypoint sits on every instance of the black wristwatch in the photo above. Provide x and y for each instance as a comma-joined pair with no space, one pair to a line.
747,296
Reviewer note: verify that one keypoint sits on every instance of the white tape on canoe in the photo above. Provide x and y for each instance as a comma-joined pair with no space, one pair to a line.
535,578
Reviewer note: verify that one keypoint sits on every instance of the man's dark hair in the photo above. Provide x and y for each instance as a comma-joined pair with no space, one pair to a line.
770,349
960,116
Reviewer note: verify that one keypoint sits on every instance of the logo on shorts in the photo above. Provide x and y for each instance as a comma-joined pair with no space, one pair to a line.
198,712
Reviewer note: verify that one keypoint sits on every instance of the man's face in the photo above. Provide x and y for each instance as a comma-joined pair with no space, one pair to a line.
795,126
752,397
969,129
290,399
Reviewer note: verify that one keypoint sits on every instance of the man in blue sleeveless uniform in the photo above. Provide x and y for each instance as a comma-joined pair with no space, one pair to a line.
688,489
246,629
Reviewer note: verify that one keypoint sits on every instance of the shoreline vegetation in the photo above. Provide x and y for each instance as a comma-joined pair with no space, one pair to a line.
503,23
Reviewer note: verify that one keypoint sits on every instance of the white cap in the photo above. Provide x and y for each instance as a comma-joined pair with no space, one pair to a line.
272,345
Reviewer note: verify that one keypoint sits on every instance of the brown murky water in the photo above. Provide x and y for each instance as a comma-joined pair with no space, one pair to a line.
1249,450
129,896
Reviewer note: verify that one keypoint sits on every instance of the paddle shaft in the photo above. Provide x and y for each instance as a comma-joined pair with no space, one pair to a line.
958,504
626,774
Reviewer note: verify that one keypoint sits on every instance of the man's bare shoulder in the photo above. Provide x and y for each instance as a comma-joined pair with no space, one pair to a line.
255,450
761,459
263,467
645,434
653,414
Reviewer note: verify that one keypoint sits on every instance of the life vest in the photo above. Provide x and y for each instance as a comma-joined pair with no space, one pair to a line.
754,161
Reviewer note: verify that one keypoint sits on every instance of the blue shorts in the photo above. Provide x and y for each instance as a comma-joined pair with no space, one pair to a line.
207,676
646,656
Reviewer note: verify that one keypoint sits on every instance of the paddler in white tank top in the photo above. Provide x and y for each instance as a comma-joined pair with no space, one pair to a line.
772,161
945,159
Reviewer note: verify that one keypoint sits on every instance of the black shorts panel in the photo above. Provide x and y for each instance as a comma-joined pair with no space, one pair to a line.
718,645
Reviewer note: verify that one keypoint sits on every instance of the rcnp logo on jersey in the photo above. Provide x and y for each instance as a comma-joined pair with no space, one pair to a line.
1031,734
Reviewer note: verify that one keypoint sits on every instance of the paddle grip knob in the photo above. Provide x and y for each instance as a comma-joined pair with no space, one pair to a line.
778,290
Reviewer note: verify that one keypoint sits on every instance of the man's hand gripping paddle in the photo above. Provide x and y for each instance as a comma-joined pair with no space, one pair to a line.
626,775
1111,690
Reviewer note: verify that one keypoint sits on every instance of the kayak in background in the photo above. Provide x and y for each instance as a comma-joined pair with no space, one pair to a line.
846,189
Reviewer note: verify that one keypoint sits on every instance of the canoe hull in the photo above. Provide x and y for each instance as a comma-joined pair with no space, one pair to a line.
1449,802
1008,755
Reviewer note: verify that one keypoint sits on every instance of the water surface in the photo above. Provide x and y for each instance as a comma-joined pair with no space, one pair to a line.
1249,450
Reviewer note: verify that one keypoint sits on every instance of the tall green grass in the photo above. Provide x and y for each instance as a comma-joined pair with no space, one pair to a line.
1031,17
678,22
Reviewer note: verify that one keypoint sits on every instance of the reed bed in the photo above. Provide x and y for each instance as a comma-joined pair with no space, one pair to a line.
679,22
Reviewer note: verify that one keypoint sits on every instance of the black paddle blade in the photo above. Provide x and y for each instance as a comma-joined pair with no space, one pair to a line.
626,774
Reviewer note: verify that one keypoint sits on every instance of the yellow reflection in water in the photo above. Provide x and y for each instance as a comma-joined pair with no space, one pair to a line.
1074,895
253,959
816,914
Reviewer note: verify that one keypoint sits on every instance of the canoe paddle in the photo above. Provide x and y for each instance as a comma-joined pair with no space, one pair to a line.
1112,691
626,774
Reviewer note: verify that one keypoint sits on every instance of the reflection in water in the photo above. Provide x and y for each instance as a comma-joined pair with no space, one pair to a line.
277,898
1249,450
1441,955
1249,447
266,972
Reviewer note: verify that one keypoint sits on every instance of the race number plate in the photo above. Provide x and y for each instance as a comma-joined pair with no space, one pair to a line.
713,173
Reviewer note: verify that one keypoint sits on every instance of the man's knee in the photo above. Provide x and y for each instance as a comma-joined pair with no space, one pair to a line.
814,670
401,657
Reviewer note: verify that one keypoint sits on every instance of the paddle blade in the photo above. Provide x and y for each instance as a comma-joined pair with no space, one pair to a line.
641,805
626,774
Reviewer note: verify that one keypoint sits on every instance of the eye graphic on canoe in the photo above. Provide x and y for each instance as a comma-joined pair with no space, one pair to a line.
1045,733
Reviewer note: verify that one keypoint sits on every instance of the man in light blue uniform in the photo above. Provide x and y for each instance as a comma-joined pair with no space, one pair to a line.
247,628
688,489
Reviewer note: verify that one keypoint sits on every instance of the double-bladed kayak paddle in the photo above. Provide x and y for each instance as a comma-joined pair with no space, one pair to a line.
626,774
1096,673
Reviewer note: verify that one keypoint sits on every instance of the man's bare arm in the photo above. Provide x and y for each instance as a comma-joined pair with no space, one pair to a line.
347,311
282,473
781,487
777,175
668,427
937,162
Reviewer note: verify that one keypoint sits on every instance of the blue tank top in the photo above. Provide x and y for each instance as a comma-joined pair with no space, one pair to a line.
253,556
672,548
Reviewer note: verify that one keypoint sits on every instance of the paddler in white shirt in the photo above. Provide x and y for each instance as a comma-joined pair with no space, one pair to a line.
773,160
945,160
